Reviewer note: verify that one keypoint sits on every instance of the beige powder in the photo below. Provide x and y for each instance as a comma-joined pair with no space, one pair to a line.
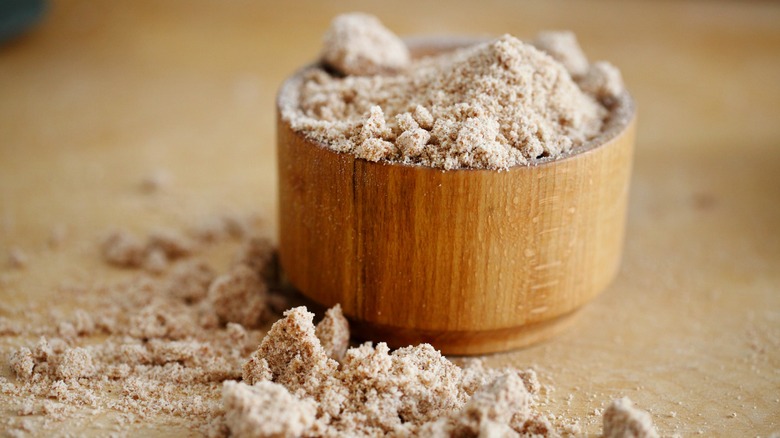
564,48
151,346
372,391
171,346
623,420
123,249
333,333
494,105
17,258
266,409
358,44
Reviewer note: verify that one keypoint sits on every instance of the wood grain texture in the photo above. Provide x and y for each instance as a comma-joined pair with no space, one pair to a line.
472,261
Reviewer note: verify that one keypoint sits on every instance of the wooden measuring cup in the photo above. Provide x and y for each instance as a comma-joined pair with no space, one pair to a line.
471,261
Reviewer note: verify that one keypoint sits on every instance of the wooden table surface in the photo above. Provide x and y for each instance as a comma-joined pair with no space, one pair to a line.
100,94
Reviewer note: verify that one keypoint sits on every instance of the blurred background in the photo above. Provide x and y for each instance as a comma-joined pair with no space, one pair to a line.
96,96
189,85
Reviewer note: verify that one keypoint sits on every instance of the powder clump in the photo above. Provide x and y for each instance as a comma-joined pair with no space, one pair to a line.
358,44
22,363
493,105
123,249
239,296
75,363
623,420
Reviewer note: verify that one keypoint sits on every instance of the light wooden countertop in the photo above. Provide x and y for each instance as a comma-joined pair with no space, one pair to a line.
100,94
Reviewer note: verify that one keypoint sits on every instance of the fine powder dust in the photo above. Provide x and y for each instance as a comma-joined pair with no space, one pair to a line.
493,105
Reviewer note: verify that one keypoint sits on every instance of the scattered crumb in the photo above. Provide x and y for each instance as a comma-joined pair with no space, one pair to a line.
17,258
156,181
190,280
120,248
623,420
173,244
240,296
57,236
75,363
358,44
155,261
148,346
259,254
213,229
21,362
123,249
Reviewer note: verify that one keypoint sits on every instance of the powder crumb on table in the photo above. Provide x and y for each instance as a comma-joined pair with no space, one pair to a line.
17,258
623,420
190,280
494,105
57,235
121,248
146,347
259,254
156,181
172,243
239,296
181,347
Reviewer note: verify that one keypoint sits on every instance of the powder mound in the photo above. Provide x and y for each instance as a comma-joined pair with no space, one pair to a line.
493,105
413,391
358,44
623,420
294,355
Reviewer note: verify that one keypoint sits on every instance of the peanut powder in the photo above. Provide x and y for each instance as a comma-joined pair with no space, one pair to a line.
157,344
372,391
351,43
494,105
623,420
185,346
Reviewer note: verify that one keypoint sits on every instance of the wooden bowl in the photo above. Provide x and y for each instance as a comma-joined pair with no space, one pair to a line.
471,261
